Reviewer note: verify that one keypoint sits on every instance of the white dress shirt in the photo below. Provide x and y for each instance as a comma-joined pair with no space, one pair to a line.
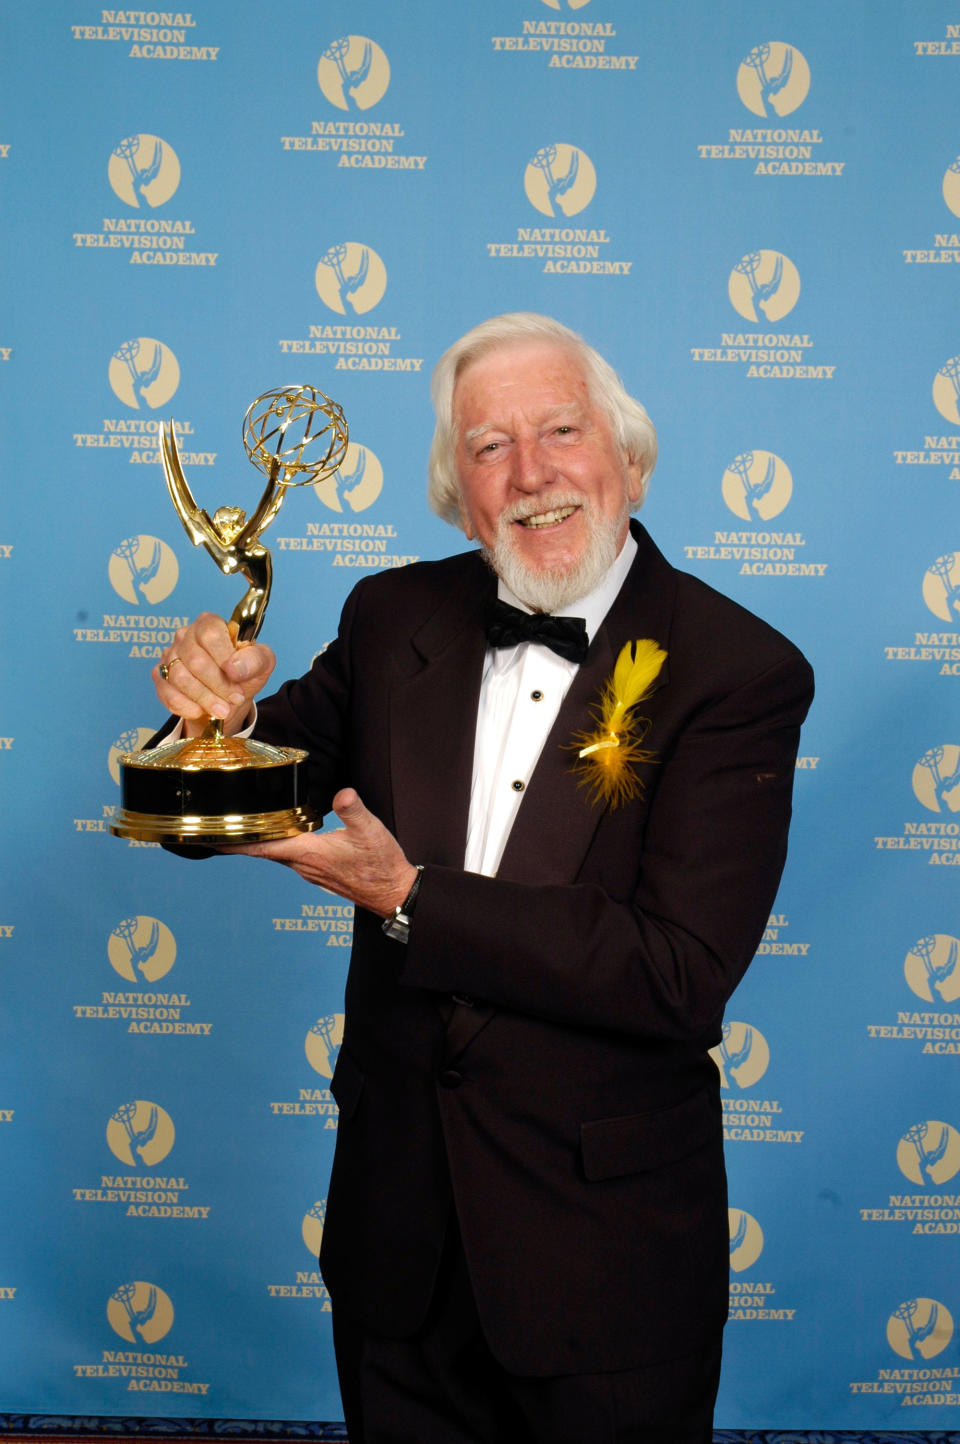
520,696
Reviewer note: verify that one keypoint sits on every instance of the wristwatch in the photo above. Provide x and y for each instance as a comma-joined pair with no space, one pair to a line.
398,926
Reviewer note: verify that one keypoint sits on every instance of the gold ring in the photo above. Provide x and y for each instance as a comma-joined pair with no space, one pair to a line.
164,669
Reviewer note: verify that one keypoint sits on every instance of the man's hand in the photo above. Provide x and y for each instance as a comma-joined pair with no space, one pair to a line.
208,675
361,861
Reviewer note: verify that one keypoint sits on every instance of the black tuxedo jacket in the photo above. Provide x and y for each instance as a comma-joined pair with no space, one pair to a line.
536,1056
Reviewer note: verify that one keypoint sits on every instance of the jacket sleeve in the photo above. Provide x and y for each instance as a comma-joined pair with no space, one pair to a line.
663,961
312,712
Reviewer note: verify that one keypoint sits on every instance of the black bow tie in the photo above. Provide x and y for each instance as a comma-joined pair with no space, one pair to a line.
506,626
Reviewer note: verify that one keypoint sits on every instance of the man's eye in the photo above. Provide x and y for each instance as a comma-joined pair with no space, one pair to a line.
490,446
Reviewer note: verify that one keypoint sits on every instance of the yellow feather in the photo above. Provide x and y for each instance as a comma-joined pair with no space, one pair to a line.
638,667
608,757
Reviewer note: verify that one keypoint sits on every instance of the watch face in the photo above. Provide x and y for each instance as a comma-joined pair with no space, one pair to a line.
397,927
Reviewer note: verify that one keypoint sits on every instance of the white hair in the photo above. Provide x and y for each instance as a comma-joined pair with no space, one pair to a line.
632,428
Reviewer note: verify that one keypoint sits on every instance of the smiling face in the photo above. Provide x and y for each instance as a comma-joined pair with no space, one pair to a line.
544,486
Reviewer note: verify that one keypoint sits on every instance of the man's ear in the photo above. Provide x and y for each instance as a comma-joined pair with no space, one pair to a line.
635,481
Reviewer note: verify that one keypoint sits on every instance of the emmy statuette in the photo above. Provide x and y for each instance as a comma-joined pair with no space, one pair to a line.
212,790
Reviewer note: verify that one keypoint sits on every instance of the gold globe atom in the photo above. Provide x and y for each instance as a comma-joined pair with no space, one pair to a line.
298,430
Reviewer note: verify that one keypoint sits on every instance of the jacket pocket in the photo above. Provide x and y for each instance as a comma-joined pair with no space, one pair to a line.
346,1085
641,1142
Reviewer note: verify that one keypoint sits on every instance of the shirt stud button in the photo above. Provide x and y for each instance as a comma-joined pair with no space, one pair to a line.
536,695
517,786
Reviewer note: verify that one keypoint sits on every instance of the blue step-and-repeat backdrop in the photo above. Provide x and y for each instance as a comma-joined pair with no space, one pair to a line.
753,210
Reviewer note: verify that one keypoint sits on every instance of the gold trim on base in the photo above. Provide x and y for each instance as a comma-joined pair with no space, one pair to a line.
215,831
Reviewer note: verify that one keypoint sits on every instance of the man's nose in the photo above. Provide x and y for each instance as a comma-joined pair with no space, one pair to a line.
532,468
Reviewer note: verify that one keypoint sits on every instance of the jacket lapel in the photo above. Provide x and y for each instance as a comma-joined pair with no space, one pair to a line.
555,806
433,723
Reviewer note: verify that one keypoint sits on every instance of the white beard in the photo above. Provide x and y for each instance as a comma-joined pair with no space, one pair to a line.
551,588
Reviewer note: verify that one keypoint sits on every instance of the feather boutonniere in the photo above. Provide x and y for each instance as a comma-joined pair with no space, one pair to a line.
607,757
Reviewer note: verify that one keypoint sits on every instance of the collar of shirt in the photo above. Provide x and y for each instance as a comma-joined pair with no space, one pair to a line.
521,693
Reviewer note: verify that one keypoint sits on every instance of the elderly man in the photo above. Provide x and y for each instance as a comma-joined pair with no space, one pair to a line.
526,1232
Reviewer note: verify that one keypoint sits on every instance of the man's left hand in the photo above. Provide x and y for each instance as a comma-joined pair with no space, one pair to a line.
361,861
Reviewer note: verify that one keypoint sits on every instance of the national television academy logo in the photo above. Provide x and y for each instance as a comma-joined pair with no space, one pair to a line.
746,1239
143,373
560,180
757,486
143,570
764,286
946,390
936,778
941,587
140,1312
932,968
312,1227
742,1055
350,274
353,72
322,1045
773,79
143,171
919,1329
951,186
141,949
357,481
928,1154
140,1133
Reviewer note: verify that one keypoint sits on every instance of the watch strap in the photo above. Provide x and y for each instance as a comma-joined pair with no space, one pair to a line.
397,927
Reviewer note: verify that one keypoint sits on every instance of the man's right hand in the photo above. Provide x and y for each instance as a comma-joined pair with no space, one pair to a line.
208,675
